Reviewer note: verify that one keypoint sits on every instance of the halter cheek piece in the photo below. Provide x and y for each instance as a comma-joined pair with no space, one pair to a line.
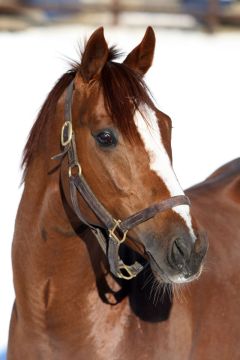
116,230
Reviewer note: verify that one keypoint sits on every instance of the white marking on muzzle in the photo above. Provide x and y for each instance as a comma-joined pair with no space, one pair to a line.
159,160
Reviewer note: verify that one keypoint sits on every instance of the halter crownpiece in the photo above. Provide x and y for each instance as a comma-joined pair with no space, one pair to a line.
116,230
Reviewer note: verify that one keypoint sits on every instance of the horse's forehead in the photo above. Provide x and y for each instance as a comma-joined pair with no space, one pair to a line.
100,103
88,104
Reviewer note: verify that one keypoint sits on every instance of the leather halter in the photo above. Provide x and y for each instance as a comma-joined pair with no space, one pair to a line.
116,230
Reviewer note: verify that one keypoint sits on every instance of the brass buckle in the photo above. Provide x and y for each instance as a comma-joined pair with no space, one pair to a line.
79,169
114,236
128,270
67,125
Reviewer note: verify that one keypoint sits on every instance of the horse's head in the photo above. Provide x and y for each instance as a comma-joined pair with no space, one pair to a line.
124,147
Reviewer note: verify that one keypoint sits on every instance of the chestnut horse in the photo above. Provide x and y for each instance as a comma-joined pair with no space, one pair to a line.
89,286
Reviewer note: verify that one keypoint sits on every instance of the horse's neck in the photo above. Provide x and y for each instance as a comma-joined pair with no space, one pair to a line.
51,262
61,286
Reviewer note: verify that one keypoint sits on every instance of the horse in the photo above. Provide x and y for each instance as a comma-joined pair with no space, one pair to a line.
110,256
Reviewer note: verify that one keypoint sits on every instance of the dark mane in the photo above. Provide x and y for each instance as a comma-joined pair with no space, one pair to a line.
44,116
123,89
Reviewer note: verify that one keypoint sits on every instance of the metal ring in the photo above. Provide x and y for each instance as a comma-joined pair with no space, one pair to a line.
79,169
67,125
114,236
130,275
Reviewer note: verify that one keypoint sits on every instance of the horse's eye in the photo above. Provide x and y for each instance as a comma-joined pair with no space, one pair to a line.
106,138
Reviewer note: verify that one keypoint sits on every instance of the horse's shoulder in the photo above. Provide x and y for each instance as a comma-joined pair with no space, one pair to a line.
222,177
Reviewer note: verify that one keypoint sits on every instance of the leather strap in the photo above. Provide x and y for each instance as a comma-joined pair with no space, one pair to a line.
116,229
151,211
141,216
103,215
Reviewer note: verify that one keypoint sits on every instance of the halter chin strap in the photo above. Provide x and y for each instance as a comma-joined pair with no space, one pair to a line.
116,230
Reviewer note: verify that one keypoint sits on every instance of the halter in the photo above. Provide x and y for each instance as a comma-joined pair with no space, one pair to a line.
116,230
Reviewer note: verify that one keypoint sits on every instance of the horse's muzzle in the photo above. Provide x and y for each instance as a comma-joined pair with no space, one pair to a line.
183,261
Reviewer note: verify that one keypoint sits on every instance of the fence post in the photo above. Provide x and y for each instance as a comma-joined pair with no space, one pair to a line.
212,16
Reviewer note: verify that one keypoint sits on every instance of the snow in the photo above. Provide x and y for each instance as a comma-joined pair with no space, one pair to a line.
195,79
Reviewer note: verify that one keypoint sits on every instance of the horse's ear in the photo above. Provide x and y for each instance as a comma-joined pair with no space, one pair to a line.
141,57
94,56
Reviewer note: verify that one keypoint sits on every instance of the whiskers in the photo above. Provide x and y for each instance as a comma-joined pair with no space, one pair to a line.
160,291
148,280
180,292
209,265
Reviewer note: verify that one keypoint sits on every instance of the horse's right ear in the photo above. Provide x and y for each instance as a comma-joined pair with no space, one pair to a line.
141,57
94,56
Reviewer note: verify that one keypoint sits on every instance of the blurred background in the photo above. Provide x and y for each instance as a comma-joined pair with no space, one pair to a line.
195,79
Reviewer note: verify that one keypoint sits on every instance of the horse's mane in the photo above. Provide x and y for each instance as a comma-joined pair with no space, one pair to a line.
45,114
123,89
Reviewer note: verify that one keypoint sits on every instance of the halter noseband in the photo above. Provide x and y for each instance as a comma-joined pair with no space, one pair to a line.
116,229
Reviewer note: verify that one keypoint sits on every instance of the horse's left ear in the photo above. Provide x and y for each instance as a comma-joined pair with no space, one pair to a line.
94,56
141,57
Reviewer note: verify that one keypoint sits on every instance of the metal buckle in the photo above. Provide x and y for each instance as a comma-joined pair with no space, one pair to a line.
79,169
67,125
114,236
130,275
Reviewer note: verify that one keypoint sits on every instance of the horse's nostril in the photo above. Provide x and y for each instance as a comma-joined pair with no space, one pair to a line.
201,245
180,253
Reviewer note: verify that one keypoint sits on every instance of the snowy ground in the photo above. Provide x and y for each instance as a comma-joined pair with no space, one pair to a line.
195,79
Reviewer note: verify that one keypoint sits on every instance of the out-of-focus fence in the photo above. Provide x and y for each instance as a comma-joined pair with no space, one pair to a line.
208,12
5,3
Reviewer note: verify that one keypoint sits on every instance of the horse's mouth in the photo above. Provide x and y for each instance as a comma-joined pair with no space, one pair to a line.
167,278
